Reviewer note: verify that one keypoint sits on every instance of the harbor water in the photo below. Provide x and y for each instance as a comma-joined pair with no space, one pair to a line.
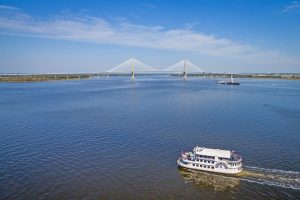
114,139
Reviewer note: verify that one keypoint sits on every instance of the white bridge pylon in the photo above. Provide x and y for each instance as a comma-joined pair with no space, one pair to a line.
185,67
130,65
181,65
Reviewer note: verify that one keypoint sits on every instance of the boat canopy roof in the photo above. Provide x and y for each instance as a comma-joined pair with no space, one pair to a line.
212,152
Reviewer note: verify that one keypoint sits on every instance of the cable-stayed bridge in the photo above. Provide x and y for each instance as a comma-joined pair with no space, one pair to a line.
184,66
181,65
132,66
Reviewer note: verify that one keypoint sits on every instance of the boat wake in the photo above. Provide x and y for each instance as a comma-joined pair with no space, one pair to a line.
272,177
207,180
263,176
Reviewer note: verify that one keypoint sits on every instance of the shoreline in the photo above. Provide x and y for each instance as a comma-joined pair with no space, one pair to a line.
21,78
283,76
41,77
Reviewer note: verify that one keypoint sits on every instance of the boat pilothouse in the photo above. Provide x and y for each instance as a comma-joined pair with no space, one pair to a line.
212,160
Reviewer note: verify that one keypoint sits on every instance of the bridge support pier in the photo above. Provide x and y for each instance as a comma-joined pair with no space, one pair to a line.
132,72
185,71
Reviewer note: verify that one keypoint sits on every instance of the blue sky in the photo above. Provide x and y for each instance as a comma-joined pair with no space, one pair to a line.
90,36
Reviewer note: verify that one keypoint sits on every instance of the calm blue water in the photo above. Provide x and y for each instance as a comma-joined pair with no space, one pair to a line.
113,139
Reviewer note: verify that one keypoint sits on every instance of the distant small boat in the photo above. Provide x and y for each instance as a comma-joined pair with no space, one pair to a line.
231,82
211,160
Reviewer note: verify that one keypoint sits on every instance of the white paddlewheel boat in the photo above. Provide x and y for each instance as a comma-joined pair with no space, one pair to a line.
211,160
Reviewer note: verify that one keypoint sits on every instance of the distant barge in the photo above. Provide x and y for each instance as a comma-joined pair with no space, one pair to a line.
230,82
211,160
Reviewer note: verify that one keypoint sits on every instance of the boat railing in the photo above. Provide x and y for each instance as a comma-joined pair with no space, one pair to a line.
235,158
187,156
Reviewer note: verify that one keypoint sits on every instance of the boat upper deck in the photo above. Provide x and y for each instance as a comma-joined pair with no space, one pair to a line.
212,152
221,154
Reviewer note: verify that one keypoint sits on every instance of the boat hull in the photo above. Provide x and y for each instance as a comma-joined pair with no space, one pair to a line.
230,83
215,170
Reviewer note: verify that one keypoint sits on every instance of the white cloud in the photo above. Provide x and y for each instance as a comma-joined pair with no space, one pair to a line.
291,7
4,7
190,25
98,30
149,5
